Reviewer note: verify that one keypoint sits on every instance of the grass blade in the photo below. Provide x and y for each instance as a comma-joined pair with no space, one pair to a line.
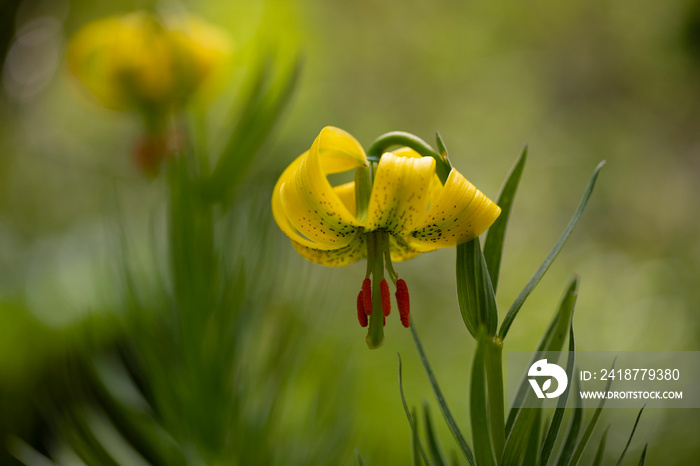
411,422
590,427
358,458
433,442
449,419
533,444
643,459
477,302
265,103
555,426
552,340
631,435
516,443
600,452
567,448
478,404
493,246
416,443
535,279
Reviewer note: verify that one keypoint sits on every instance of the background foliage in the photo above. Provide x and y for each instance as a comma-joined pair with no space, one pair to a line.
578,81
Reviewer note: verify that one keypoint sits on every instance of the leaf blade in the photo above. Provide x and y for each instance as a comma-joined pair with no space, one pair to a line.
590,427
433,442
551,341
475,295
555,425
411,422
535,279
493,245
634,428
447,414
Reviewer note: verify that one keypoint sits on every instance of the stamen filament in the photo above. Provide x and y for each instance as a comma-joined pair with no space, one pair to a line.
387,260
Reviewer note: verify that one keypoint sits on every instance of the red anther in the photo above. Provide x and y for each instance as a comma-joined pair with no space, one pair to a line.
361,316
367,295
403,302
386,297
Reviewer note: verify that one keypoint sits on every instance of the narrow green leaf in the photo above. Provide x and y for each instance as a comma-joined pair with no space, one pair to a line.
517,441
493,246
600,452
643,459
449,419
478,404
266,100
631,435
555,426
533,443
433,442
520,300
138,429
477,302
415,442
552,340
442,149
591,426
411,422
77,431
358,458
569,444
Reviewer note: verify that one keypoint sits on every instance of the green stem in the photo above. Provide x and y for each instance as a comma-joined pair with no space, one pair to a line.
399,138
494,378
375,335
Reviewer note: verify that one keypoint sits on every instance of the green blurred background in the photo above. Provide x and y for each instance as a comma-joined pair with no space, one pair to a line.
578,81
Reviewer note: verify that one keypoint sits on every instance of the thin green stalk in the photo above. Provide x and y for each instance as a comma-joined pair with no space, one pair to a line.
478,406
493,352
400,138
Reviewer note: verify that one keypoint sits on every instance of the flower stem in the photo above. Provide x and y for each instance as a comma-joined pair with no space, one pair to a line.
400,138
493,352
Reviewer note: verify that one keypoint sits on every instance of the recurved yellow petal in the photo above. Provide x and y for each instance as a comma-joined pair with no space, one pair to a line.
399,196
401,250
278,209
346,194
353,252
312,208
459,213
338,151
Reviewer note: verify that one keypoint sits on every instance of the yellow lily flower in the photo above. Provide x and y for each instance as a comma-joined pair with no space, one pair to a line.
139,62
395,209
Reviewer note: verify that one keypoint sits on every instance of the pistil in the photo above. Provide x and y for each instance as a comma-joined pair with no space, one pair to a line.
375,255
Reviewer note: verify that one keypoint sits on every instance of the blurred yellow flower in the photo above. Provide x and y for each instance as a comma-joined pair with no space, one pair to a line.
406,211
139,62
